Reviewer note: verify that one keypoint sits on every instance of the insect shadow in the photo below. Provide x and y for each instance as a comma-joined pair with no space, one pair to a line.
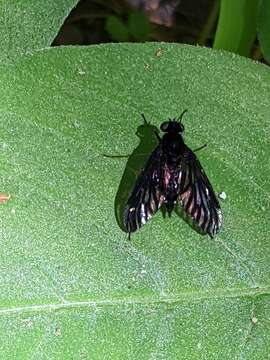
147,134
136,161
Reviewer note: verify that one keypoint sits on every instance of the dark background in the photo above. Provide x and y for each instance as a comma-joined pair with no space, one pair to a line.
171,20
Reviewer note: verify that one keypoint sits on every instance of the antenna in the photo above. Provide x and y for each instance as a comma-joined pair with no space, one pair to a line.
144,119
180,117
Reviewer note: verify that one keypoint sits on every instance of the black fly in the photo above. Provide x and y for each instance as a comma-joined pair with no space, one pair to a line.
172,175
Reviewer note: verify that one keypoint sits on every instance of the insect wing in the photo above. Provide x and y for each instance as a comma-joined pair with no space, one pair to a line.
197,196
145,198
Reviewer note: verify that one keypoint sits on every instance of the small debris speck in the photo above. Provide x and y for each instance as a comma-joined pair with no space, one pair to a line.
158,52
57,331
254,320
4,197
222,195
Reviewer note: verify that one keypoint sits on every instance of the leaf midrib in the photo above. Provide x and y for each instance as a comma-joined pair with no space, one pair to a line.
184,297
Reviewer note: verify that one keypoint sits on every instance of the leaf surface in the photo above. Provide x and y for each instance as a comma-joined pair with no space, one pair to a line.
72,285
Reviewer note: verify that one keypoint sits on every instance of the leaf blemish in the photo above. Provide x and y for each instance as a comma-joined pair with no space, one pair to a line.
159,52
57,331
4,197
254,320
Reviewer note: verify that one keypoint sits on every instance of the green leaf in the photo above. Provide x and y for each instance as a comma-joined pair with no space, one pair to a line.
30,25
116,28
72,285
264,28
138,25
237,24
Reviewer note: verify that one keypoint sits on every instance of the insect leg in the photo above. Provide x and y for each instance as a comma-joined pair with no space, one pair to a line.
144,119
115,156
200,148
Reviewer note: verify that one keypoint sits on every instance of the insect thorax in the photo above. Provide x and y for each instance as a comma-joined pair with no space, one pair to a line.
173,148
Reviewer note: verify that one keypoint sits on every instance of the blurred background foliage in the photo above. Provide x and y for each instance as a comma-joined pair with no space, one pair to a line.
240,26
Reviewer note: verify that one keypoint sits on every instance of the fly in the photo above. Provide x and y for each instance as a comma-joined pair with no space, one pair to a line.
173,175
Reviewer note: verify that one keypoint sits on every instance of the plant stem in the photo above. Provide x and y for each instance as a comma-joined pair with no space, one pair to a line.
205,34
236,28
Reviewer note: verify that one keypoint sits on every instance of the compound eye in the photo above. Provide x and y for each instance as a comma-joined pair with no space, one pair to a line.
182,129
164,126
